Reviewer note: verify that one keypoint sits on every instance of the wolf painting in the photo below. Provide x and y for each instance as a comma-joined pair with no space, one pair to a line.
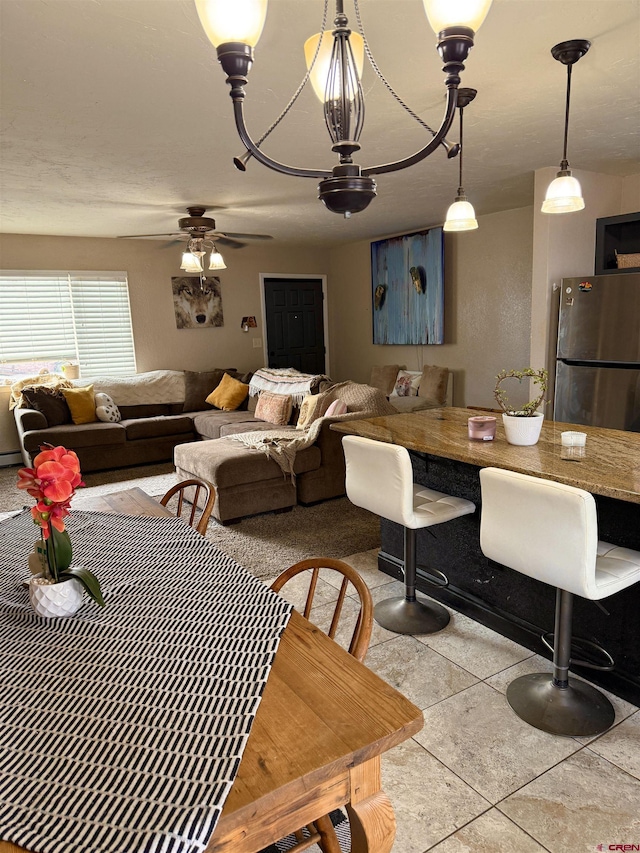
197,303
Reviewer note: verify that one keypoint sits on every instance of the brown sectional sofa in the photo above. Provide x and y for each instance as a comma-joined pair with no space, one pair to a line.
155,427
150,427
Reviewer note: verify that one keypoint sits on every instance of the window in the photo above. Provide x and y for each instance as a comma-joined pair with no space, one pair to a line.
48,318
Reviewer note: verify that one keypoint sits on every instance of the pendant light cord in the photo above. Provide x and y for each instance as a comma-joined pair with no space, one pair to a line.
460,188
565,162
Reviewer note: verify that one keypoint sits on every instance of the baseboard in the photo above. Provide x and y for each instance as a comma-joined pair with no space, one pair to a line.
11,458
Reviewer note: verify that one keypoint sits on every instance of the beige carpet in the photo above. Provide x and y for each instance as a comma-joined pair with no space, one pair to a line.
264,544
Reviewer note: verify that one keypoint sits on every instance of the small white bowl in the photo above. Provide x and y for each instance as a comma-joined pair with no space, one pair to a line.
573,439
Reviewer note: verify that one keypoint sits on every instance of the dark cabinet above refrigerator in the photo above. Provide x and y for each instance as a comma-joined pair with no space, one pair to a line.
617,235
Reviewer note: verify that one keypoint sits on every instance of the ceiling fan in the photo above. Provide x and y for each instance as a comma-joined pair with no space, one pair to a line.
198,226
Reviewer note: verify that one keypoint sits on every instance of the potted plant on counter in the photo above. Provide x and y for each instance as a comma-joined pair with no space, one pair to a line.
522,425
57,587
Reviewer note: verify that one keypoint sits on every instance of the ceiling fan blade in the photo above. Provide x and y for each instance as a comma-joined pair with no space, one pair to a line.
246,236
229,242
134,236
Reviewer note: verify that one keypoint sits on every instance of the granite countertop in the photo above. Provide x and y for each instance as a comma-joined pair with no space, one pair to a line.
610,466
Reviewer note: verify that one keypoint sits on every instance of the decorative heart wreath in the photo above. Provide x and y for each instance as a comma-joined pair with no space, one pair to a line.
540,377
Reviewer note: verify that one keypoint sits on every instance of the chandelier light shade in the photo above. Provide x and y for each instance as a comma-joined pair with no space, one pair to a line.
335,63
320,66
443,14
228,21
461,216
564,194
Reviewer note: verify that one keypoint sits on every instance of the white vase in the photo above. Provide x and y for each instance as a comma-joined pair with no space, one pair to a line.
55,599
523,431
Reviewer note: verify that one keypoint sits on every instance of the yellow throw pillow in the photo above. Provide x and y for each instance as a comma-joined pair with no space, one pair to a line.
229,394
82,404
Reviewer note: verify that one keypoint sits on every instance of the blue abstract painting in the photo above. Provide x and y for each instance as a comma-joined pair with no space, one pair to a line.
407,277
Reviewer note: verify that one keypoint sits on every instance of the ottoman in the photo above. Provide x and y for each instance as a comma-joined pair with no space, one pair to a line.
246,481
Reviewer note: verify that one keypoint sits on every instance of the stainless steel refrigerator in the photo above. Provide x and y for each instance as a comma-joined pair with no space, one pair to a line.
598,355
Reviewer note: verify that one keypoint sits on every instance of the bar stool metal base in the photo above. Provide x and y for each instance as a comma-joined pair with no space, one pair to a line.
403,616
574,711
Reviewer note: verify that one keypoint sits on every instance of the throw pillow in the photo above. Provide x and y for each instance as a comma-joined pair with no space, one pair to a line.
433,384
384,377
407,382
82,404
106,409
49,402
336,408
229,394
274,408
310,410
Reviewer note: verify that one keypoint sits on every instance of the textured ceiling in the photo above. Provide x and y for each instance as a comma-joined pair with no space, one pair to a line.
115,115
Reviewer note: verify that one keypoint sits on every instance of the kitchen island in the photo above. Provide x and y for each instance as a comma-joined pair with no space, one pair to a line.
519,607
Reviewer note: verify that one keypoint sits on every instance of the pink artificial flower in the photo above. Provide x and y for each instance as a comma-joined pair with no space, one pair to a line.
52,482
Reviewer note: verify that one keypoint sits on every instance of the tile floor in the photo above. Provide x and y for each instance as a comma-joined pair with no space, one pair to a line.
476,777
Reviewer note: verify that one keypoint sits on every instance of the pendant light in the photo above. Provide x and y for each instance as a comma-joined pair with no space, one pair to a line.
337,55
461,216
564,194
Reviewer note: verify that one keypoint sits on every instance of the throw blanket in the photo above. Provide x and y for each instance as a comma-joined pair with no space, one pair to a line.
280,380
282,445
156,386
49,380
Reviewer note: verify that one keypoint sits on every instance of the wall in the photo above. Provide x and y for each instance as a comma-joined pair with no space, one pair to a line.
487,308
150,264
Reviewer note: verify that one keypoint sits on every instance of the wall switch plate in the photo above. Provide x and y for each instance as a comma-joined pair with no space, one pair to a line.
257,343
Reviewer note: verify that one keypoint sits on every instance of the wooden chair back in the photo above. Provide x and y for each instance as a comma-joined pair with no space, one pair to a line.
189,495
364,624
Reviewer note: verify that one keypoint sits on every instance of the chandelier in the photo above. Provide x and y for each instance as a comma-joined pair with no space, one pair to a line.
197,248
334,60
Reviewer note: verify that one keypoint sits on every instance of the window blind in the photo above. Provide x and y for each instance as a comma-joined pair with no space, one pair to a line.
67,316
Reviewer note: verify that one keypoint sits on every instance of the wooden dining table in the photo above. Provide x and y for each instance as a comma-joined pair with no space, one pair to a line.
322,725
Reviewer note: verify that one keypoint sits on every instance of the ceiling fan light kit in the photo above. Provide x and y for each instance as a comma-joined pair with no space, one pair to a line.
564,194
335,60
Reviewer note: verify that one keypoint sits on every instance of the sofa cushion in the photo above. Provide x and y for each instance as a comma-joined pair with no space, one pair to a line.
433,384
81,402
48,402
198,386
274,408
229,394
149,410
138,428
73,436
251,426
227,463
383,377
208,424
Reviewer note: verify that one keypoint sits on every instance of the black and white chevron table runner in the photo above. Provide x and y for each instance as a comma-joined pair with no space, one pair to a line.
122,729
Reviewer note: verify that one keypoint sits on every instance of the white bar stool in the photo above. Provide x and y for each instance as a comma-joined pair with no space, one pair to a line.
549,531
379,477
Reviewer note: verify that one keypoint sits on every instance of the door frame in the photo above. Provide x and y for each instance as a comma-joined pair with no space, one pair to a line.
325,312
